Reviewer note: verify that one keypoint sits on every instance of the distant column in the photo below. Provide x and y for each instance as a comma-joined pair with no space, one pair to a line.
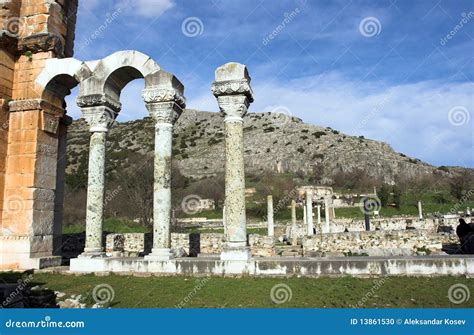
309,214
305,220
420,210
318,207
271,228
326,214
294,227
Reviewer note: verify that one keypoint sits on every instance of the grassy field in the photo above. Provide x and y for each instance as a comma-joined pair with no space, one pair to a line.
256,292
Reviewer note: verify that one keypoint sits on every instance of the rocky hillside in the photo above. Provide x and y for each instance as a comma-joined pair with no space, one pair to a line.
273,142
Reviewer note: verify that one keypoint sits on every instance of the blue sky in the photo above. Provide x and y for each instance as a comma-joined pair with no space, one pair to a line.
396,71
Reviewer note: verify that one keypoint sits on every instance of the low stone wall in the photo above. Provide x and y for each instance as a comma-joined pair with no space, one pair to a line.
383,224
184,245
377,243
128,244
262,246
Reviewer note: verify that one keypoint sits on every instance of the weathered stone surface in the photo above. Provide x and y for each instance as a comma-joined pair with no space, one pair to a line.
379,243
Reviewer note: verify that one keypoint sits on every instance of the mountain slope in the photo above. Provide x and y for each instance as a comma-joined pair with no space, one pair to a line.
272,142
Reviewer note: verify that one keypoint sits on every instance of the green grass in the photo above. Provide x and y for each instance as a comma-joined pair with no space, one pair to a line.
111,225
255,292
428,208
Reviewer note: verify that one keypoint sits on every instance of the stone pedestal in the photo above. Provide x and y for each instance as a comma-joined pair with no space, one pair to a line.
270,223
165,103
232,90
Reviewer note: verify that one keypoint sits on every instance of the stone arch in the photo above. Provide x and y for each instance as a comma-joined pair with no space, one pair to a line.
114,72
55,82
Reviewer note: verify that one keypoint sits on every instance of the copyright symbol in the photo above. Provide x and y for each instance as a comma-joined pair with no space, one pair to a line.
399,321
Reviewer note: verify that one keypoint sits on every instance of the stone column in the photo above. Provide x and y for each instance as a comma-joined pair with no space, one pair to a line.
420,210
294,227
163,96
100,113
326,216
309,213
234,95
318,207
305,220
271,228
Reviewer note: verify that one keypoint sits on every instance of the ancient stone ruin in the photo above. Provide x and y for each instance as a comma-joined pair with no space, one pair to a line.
38,71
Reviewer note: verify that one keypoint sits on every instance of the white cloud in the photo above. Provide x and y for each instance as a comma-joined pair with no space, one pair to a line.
145,8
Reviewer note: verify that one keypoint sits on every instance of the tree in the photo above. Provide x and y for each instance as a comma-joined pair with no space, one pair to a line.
383,195
397,197
459,185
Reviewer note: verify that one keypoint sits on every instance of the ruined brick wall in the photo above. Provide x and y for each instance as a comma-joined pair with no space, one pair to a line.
31,31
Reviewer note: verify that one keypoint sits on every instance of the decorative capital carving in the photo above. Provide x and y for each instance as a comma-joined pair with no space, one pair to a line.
233,107
232,79
99,118
34,104
161,94
42,42
232,87
93,100
164,112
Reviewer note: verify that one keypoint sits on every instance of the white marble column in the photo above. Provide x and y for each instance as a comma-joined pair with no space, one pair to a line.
165,103
420,210
294,227
232,90
326,216
270,223
100,118
305,220
318,208
309,214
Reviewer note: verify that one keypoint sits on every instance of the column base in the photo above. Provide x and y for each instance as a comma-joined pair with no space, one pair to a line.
235,251
159,254
92,253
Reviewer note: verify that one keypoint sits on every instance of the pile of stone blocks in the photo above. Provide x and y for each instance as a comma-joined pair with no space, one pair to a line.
127,245
262,246
378,243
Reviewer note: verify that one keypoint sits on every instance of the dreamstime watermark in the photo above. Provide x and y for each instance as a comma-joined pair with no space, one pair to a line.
200,283
377,285
14,27
283,202
288,18
370,26
14,204
459,116
110,18
110,195
370,204
103,294
22,284
281,293
459,293
191,204
465,18
192,26
46,323
466,196
282,115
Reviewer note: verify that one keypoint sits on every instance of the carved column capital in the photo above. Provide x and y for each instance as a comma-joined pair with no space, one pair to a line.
233,107
232,91
164,112
99,111
163,96
99,118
